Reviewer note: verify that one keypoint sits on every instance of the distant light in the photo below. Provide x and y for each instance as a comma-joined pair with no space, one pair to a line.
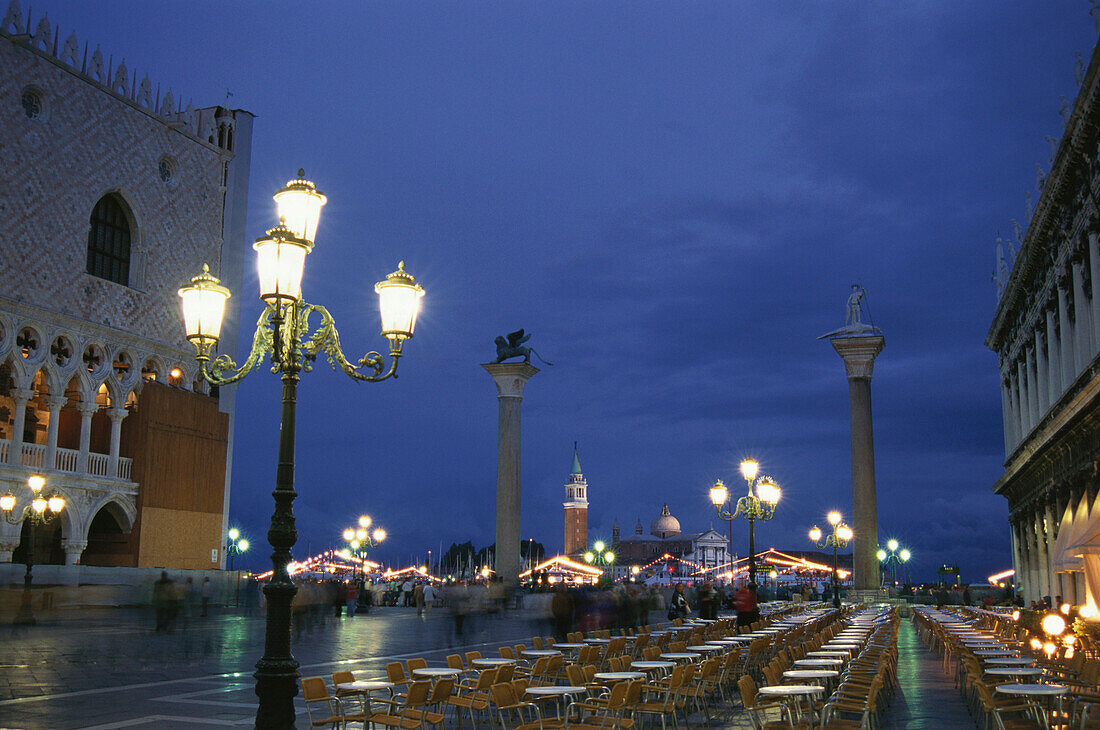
242,545
905,555
1088,611
1015,615
1065,609
176,373
364,521
844,533
1053,624
599,546
881,555
589,557
749,468
834,518
234,533
892,545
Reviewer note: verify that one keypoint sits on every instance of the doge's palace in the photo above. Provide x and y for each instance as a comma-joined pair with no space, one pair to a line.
116,192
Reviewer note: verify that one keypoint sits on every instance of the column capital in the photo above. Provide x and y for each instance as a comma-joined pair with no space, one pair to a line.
116,414
510,377
858,353
73,550
54,402
22,394
87,409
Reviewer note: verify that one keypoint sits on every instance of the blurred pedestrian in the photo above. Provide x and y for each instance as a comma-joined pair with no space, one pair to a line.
162,600
207,591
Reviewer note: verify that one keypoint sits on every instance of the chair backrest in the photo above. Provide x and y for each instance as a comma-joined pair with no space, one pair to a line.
314,689
454,661
471,655
339,678
395,672
550,641
507,653
748,690
417,696
442,689
416,663
537,642
651,653
504,674
641,642
486,679
503,696
678,646
519,650
574,673
616,699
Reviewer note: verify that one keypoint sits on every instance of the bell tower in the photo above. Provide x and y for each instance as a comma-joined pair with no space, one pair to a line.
576,508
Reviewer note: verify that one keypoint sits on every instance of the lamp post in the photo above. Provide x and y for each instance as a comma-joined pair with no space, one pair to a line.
283,332
235,546
839,538
362,538
40,509
758,505
599,555
893,558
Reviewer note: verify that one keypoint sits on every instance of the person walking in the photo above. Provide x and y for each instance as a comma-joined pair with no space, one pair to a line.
678,606
418,598
206,591
429,597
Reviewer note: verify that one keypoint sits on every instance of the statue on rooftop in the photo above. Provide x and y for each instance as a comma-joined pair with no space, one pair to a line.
512,345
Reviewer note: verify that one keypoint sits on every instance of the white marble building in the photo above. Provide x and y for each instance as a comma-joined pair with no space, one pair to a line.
115,195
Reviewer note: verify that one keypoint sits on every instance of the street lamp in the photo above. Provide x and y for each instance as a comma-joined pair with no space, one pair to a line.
753,506
235,546
41,508
893,558
599,554
283,333
362,538
840,537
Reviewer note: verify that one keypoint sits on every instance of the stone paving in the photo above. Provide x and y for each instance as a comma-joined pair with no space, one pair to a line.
108,669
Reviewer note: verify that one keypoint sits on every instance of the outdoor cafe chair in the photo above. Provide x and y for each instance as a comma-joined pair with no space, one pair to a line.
315,693
409,713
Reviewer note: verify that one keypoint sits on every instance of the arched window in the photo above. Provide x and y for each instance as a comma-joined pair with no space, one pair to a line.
109,240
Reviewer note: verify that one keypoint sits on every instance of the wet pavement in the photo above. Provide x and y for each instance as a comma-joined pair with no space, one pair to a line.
109,669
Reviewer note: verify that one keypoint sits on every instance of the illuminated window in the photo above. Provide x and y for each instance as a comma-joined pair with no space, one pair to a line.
109,241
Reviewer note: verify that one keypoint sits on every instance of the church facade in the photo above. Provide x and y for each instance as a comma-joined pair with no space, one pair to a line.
117,194
1046,333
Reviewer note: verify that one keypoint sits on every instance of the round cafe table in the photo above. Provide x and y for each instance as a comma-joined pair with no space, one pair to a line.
810,674
1009,661
564,692
652,666
1035,690
568,645
1015,671
618,676
705,648
490,662
792,694
536,653
995,652
364,688
597,641
435,672
827,654
679,656
818,663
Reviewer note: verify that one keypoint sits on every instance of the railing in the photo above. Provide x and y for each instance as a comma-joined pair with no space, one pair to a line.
67,460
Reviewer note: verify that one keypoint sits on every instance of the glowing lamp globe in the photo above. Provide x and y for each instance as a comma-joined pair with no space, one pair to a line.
1036,644
719,494
815,534
1064,608
589,557
55,503
1053,624
299,205
242,545
1088,611
1070,640
203,306
36,482
773,575
892,545
881,555
834,518
768,491
349,534
905,555
280,261
379,535
360,535
609,556
844,533
749,468
399,302
599,546
1016,615
364,521
38,504
234,533
1048,648
7,502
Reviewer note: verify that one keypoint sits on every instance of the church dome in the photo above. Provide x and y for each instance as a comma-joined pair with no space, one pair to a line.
666,525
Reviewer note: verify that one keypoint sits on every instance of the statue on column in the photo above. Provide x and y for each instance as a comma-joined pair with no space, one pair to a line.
512,345
853,321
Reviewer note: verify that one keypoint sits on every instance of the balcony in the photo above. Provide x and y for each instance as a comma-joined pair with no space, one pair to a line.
68,460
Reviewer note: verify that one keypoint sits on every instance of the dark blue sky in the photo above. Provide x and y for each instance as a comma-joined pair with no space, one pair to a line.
674,198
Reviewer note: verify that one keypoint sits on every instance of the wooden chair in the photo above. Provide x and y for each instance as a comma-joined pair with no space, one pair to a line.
410,713
527,715
474,698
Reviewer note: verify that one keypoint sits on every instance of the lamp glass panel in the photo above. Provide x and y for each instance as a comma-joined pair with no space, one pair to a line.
234,533
38,505
399,305
379,535
719,494
36,482
767,492
815,534
55,503
7,502
749,468
203,311
844,532
364,521
905,555
279,265
349,534
300,210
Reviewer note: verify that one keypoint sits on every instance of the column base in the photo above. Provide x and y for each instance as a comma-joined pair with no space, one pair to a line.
873,595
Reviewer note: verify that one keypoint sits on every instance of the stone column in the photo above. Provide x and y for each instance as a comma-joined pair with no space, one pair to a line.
858,353
1006,410
1094,280
1044,553
1017,556
1054,368
116,415
1065,336
21,396
510,379
1017,409
73,550
1082,341
1032,388
87,410
54,403
7,547
1041,380
1025,409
